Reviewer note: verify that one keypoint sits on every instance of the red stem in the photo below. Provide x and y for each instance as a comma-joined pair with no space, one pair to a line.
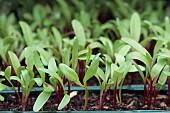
18,93
150,93
101,102
102,96
114,95
69,93
155,95
145,94
81,70
168,91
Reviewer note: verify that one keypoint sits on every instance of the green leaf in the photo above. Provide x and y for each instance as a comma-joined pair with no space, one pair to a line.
38,81
141,57
44,55
88,56
29,60
135,45
2,86
167,26
66,56
92,69
94,45
26,77
75,53
117,77
14,60
41,100
163,77
124,50
119,58
38,64
17,79
47,87
108,45
139,70
79,32
157,68
134,69
135,27
157,47
69,73
8,73
108,62
28,36
1,98
58,38
53,81
53,74
100,73
122,30
65,9
52,65
64,102
114,67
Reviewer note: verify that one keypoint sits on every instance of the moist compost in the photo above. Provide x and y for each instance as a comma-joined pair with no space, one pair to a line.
129,102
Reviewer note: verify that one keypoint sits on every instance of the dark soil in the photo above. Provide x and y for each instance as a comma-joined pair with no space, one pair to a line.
129,102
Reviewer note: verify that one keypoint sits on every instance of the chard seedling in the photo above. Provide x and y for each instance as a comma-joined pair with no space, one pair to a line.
154,66
81,37
90,72
2,86
25,76
56,84
119,71
104,76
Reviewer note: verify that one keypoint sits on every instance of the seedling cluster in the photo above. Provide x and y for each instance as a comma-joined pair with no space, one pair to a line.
58,57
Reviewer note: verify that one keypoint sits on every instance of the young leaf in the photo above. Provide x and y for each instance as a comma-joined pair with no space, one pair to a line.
64,102
8,73
101,74
52,65
38,64
1,98
28,36
41,100
14,60
79,32
45,56
53,74
108,62
119,58
92,69
58,37
17,79
139,70
124,50
163,77
69,73
66,56
75,53
157,68
88,55
141,57
135,27
29,60
122,30
157,47
2,86
135,45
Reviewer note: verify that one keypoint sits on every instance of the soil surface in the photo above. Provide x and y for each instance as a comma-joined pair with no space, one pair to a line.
129,102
